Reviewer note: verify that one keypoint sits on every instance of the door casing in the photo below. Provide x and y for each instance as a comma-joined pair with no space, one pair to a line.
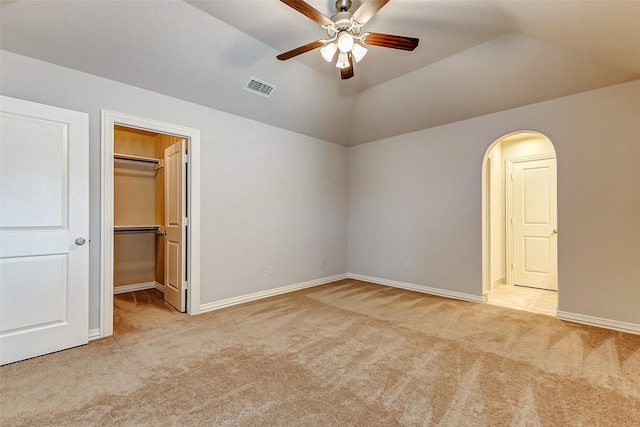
108,120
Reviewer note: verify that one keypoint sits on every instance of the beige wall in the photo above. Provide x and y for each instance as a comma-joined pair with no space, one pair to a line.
531,144
269,197
134,194
133,258
417,198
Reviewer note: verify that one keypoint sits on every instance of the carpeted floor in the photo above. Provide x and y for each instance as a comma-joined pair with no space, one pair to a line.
346,353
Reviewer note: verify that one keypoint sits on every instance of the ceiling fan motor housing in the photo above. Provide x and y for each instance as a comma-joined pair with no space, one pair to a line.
342,22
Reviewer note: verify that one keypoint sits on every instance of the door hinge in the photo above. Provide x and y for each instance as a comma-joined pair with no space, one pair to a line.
186,158
512,266
185,221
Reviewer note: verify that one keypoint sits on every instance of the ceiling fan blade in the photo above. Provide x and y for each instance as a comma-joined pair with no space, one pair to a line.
308,11
367,10
388,40
347,73
300,50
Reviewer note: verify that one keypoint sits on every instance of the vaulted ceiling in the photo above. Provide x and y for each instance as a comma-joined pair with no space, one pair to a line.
474,58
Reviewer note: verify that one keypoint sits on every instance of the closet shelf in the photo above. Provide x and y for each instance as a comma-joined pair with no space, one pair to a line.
137,229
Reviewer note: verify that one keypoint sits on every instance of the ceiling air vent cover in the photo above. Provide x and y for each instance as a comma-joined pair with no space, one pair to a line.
259,87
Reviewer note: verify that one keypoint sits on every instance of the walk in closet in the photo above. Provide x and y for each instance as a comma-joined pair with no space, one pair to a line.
140,237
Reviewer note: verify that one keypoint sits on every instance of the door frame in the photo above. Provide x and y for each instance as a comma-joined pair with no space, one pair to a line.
509,206
108,120
487,256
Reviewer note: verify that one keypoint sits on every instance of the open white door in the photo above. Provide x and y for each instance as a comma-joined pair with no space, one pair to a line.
175,225
534,213
44,229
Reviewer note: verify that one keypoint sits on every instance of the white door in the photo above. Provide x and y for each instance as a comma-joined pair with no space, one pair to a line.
44,229
175,225
534,213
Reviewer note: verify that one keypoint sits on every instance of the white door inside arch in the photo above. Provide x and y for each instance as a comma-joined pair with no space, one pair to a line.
44,229
534,220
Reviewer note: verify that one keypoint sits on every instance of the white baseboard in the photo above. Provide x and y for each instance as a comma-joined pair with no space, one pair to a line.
268,293
159,286
424,289
631,328
498,282
94,334
135,287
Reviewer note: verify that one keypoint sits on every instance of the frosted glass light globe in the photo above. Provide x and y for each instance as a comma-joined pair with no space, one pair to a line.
345,42
328,51
343,60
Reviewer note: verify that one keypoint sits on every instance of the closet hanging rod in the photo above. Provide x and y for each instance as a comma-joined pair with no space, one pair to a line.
137,228
141,159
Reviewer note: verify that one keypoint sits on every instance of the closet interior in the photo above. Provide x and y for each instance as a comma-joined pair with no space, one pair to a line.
139,209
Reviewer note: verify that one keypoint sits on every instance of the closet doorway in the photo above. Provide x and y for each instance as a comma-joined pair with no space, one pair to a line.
149,186
150,224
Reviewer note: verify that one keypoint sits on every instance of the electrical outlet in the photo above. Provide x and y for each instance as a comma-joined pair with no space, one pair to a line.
269,271
322,262
406,266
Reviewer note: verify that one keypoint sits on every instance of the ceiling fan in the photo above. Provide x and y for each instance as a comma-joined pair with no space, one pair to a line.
344,29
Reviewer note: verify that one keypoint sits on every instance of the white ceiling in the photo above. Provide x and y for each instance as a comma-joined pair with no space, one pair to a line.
474,58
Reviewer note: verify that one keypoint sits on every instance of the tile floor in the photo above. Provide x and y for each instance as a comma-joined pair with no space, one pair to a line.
522,298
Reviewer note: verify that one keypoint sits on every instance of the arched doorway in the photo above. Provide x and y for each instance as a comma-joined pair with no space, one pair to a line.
519,224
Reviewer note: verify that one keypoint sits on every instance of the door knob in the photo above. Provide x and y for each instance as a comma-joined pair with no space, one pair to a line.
555,231
79,241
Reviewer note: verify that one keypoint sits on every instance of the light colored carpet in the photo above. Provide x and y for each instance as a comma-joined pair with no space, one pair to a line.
346,353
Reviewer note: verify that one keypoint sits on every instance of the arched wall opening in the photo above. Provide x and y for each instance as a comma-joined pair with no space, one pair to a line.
519,217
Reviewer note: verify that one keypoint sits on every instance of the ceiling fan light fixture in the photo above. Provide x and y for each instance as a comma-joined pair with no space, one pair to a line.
345,42
343,60
358,52
328,51
344,29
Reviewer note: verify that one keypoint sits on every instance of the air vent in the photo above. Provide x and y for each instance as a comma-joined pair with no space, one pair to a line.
259,87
